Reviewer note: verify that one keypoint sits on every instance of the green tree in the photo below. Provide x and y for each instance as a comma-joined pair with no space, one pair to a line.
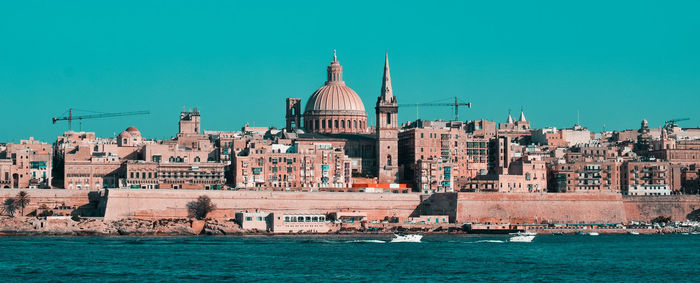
22,200
200,207
9,206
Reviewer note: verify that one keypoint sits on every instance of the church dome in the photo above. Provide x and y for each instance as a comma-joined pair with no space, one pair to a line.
335,98
133,130
335,108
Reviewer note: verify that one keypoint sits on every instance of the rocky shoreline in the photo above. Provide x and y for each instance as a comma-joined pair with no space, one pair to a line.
68,226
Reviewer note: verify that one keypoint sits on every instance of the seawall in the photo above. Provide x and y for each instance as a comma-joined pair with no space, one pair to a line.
172,204
61,201
645,208
537,208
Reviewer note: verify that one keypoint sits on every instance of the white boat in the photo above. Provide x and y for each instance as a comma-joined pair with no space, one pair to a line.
522,237
408,238
633,232
593,234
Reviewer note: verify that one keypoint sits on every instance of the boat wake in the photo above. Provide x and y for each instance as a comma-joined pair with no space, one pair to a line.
366,241
489,241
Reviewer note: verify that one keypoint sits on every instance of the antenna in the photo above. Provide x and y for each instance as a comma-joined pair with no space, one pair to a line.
578,118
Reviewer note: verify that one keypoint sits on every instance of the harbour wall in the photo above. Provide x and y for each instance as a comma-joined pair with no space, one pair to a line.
460,207
172,204
538,208
645,208
63,201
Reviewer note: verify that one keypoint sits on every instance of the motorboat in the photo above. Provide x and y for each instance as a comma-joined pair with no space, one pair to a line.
522,237
406,238
593,234
632,232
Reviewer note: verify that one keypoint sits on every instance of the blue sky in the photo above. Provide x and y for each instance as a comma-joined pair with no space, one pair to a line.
616,62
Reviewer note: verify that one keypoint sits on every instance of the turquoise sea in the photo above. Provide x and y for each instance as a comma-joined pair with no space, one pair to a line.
457,258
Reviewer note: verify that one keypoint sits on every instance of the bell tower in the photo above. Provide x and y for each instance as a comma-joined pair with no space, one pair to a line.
293,114
387,131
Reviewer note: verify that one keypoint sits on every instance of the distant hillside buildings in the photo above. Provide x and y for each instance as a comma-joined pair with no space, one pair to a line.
330,147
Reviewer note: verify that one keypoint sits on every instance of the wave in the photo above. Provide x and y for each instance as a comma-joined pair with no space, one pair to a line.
490,241
366,241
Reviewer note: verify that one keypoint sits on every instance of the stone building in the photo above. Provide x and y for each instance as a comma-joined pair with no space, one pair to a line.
466,156
646,178
26,165
586,177
304,165
189,161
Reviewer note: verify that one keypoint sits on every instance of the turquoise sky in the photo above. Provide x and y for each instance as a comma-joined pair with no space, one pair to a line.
617,62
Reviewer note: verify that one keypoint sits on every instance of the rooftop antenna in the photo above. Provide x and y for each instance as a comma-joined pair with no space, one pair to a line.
578,118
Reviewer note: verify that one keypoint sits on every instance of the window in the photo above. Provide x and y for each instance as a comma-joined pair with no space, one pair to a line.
388,119
196,159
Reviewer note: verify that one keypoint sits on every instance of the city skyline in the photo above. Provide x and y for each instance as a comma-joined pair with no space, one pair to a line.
617,71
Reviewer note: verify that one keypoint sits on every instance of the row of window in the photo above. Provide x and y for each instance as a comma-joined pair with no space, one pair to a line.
337,124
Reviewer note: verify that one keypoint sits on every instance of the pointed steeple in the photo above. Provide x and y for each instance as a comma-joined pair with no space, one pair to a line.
510,118
387,93
522,116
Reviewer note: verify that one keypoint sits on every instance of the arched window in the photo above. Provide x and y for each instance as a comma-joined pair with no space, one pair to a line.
172,159
342,124
354,124
388,160
336,124
196,159
323,124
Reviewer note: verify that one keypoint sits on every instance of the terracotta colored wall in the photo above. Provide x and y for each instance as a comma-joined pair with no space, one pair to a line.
168,203
646,208
51,198
531,208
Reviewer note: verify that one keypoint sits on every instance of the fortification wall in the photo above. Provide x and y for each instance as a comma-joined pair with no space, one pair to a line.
172,204
54,198
646,208
536,208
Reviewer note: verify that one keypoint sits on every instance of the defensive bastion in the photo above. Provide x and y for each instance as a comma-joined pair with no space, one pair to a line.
461,207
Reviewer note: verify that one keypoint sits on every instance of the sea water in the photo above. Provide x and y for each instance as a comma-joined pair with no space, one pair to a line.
351,258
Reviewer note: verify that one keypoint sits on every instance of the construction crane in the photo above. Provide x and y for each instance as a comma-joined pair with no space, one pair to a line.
456,106
670,124
70,116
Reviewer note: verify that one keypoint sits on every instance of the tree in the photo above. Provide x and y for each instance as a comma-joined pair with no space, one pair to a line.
22,200
661,220
45,210
200,207
9,206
